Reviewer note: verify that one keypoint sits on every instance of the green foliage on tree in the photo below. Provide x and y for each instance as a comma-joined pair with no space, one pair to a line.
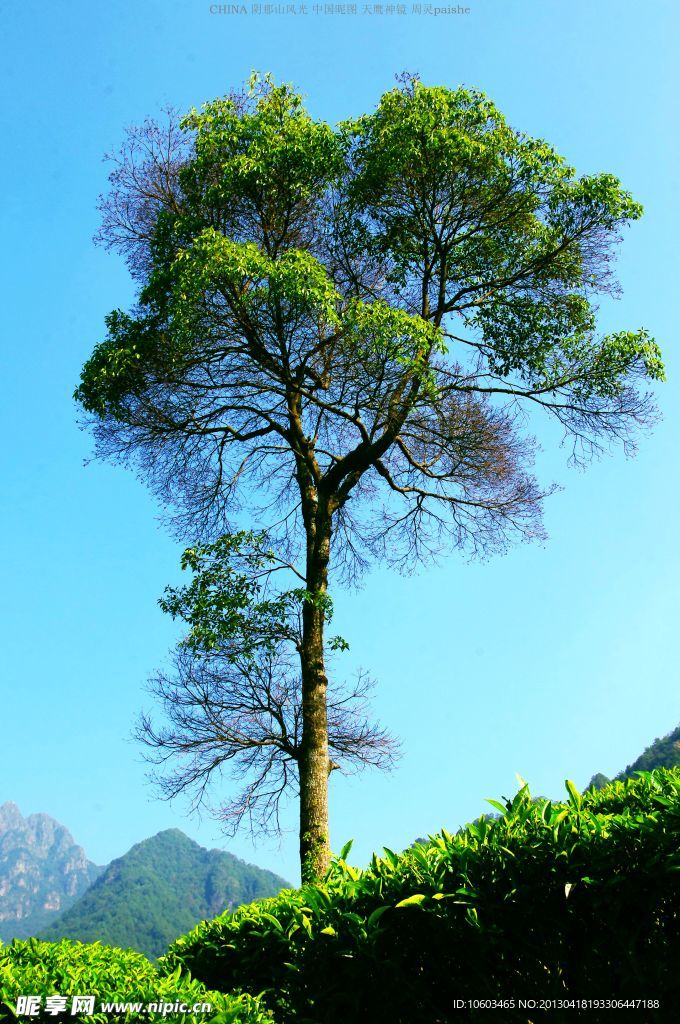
339,328
548,901
228,605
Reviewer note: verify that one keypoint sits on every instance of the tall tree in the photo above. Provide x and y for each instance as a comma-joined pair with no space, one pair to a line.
339,331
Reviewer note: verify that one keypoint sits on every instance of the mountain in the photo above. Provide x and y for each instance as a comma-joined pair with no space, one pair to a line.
42,872
158,890
662,753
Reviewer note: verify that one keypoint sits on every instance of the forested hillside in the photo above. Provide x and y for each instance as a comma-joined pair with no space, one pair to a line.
662,753
159,889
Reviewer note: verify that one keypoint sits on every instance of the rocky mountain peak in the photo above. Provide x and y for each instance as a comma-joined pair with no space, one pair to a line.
42,871
10,816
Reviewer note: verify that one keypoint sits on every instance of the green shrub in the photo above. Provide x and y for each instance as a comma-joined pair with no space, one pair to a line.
552,900
112,975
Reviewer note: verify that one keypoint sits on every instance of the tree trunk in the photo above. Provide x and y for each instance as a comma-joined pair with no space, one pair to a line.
314,758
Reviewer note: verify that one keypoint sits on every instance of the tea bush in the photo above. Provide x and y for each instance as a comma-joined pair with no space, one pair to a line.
560,901
32,967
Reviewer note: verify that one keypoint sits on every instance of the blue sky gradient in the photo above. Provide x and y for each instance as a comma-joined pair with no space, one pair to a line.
555,661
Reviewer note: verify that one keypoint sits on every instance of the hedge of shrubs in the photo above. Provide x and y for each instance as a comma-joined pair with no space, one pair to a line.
111,975
564,901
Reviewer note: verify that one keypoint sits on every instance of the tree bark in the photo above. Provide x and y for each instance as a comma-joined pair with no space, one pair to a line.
314,758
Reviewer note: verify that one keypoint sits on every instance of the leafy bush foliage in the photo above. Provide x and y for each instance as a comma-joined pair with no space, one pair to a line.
552,900
112,975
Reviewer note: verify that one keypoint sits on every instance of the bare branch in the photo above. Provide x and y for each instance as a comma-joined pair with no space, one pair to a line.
243,717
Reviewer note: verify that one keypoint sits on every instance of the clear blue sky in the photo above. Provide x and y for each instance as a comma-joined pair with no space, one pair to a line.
555,661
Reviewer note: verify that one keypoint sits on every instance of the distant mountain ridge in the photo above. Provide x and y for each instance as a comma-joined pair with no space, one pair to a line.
662,753
42,871
160,889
